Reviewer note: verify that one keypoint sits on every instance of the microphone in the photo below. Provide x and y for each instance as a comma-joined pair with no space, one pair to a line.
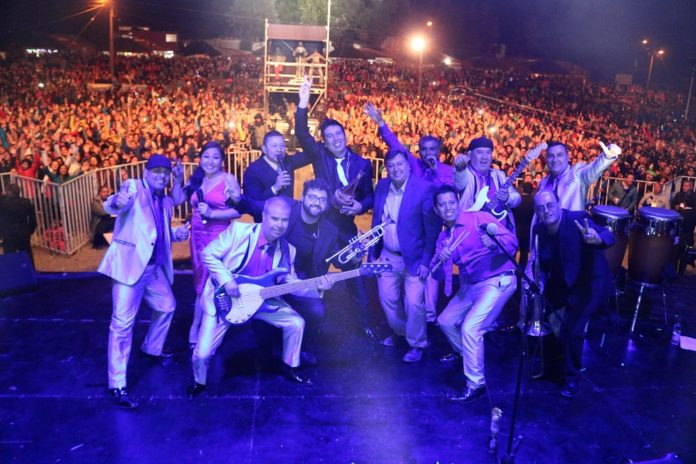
281,166
199,195
488,228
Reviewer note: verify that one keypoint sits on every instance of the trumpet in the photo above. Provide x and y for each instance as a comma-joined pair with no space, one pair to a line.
358,245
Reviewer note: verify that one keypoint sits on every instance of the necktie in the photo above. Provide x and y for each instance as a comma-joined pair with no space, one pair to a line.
448,266
341,172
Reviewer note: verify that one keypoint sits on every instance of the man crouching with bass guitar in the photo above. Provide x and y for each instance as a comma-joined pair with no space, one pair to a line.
252,250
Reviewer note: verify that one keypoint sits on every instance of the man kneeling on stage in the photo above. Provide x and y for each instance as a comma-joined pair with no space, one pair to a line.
250,250
487,282
575,276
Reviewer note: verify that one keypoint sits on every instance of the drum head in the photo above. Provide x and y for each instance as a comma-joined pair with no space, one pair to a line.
610,211
660,214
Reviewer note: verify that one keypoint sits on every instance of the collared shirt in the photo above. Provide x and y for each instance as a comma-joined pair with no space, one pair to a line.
392,205
159,252
341,171
476,261
261,260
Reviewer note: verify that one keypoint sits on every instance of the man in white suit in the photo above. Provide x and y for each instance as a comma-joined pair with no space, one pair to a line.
139,261
250,250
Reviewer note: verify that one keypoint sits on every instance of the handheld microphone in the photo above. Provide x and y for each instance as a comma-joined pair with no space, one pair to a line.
281,166
488,228
199,195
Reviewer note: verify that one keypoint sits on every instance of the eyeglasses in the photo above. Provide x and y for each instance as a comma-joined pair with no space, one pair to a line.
314,199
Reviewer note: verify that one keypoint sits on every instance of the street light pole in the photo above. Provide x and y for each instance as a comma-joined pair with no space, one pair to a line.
650,67
691,88
420,72
111,40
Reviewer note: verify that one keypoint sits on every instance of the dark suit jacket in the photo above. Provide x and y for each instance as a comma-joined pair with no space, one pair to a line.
584,267
259,177
324,165
417,227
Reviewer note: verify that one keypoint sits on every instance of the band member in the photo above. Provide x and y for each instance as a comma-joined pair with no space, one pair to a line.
572,183
250,250
208,189
139,261
404,204
315,239
472,172
427,166
274,173
339,167
487,281
575,276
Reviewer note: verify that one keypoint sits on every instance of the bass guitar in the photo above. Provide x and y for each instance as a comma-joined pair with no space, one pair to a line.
495,206
255,290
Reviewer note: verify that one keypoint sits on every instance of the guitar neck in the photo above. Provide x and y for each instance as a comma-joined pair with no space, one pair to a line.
494,203
292,287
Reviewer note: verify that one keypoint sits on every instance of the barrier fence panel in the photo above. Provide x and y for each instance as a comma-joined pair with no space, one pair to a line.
63,211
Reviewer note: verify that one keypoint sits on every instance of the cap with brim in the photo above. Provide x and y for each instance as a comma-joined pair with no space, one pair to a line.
158,161
480,142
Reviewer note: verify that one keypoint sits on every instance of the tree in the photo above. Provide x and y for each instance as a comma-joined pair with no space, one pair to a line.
247,18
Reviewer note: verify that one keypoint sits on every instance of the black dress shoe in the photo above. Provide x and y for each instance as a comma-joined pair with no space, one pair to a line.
163,356
370,333
450,358
468,395
571,388
121,398
195,390
291,374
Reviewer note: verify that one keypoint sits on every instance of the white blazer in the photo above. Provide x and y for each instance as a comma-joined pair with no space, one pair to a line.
135,233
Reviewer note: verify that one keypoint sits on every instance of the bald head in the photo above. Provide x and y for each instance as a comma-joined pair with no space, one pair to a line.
276,216
547,207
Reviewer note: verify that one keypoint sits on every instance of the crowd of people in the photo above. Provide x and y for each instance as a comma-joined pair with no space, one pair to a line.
52,113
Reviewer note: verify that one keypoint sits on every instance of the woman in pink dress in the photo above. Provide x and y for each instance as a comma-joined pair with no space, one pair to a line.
208,189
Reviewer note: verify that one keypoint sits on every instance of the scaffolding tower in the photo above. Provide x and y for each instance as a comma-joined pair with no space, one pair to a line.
285,75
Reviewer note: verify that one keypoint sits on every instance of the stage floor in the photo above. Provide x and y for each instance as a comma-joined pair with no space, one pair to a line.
367,405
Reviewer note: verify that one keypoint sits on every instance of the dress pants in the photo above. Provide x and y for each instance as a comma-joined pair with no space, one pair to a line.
432,288
469,315
212,332
154,287
403,301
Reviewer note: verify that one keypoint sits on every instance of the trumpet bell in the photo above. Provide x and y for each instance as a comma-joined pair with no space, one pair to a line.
538,329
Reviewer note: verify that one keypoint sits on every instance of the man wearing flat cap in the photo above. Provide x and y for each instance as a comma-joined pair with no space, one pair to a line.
473,173
139,262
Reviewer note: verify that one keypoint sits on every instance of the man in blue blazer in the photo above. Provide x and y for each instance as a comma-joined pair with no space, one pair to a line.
404,204
575,276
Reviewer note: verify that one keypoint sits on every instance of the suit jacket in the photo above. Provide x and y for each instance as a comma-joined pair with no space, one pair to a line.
259,177
584,267
324,165
135,233
417,227
576,180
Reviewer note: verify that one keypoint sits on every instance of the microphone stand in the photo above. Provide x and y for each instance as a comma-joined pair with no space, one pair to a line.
508,457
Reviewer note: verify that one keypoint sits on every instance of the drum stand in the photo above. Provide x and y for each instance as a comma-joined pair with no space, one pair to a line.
643,286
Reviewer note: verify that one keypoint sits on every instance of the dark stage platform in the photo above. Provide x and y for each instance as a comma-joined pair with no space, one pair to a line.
638,398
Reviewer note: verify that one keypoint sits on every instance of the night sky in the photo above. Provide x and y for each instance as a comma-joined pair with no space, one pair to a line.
601,35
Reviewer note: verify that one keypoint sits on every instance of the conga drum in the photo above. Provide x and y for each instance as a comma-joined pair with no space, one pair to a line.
618,221
653,240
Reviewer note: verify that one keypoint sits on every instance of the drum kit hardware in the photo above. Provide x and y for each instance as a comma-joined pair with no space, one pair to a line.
652,239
